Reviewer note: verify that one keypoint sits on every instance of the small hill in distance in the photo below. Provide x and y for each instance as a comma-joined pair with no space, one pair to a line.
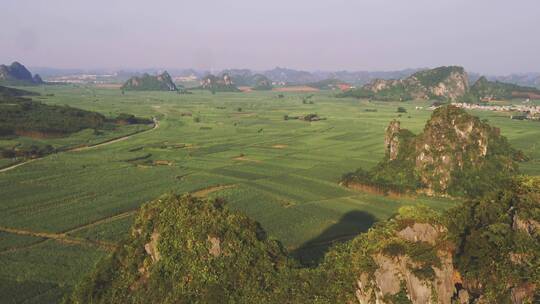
290,76
330,84
485,90
223,83
261,83
18,75
457,154
147,82
240,78
443,83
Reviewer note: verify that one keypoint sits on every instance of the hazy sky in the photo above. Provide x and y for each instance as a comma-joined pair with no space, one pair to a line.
488,36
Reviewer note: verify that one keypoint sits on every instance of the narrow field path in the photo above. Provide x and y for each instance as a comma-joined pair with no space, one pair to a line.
78,149
201,193
102,221
61,237
67,238
115,140
19,164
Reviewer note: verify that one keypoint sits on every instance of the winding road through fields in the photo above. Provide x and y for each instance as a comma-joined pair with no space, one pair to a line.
84,148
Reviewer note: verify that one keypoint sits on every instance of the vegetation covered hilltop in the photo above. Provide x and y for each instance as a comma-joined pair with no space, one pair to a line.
223,83
161,82
456,154
449,83
187,250
486,90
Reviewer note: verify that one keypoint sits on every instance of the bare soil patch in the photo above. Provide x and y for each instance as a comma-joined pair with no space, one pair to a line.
162,163
244,114
296,89
376,190
39,135
108,85
245,158
59,237
245,89
206,191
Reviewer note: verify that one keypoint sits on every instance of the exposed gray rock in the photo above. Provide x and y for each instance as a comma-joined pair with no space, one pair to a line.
422,232
391,139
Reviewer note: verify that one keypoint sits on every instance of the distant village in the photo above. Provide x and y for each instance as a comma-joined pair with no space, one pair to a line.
519,112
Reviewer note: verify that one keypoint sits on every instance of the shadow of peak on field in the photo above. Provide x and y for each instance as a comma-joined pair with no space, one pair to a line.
349,225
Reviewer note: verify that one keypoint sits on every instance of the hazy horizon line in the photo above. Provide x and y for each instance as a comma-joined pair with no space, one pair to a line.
156,68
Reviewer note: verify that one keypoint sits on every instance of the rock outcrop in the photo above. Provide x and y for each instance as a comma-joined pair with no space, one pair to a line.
224,83
398,270
484,251
261,83
448,83
456,154
392,139
453,142
161,82
18,74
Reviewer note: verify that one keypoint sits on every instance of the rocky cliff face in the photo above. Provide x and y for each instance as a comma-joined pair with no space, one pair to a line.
18,74
392,139
453,141
161,82
449,83
397,274
418,257
452,152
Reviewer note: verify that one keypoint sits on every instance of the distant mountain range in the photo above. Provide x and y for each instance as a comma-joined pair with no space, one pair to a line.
286,76
281,75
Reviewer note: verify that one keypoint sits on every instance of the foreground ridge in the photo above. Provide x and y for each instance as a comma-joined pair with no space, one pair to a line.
189,250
